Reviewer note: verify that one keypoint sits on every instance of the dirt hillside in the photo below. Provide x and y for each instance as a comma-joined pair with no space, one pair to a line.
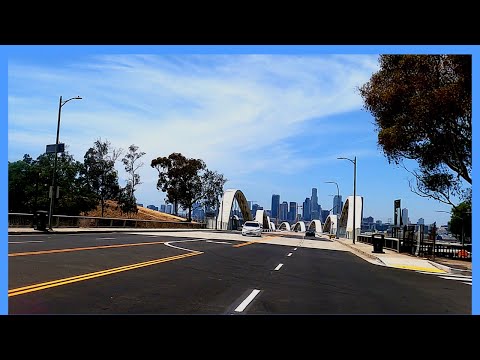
111,210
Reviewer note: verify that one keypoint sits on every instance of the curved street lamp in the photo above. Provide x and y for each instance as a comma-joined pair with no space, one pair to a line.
354,162
60,104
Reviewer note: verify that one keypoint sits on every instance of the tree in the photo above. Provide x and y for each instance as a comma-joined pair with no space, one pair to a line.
213,183
422,106
460,224
132,164
28,185
126,200
180,178
100,172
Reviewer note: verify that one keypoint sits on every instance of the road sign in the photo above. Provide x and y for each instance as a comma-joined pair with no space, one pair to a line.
51,148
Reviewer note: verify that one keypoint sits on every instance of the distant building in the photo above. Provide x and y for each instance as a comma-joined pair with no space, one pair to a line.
292,212
169,209
325,214
152,207
421,221
283,209
315,211
162,208
275,205
405,216
140,205
306,211
337,204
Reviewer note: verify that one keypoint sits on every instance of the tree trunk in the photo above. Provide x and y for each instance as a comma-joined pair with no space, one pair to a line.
189,214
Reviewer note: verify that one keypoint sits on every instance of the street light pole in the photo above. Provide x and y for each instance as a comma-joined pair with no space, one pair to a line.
336,206
54,175
354,162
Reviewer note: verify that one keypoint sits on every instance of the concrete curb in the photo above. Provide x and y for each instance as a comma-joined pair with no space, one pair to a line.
369,255
450,269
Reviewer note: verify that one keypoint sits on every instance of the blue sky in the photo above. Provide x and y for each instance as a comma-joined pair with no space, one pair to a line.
272,119
272,123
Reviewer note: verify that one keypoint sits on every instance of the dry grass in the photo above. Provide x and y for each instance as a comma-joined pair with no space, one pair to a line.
112,210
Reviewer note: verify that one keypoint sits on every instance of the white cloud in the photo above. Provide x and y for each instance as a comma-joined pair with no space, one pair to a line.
214,107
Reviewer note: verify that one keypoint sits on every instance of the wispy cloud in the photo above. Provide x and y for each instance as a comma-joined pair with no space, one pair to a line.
225,109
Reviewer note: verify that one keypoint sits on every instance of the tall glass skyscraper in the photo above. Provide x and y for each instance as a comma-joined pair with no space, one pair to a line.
275,205
314,205
337,204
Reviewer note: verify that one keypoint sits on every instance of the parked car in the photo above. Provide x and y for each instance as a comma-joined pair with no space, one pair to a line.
310,233
253,228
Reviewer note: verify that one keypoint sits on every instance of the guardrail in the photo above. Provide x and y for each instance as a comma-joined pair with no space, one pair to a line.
63,221
453,251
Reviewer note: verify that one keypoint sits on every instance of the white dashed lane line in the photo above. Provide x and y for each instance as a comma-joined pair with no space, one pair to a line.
278,266
247,301
289,254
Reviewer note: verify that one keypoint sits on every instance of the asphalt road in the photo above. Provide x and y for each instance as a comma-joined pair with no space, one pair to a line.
121,273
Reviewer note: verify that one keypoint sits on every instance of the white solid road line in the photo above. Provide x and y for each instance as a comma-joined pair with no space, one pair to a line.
456,277
279,266
105,238
289,254
219,242
247,301
23,242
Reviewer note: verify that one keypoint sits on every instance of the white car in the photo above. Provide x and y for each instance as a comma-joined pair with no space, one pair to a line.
253,228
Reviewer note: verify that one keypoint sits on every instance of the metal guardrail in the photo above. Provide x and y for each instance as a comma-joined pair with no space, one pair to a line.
63,221
453,251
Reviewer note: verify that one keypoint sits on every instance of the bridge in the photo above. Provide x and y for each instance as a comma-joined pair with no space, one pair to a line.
234,203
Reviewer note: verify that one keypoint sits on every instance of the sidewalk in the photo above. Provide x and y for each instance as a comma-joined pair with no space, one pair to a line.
406,261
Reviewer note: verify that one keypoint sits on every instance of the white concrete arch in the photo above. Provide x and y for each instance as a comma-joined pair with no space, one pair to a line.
316,225
262,218
224,214
272,226
299,226
330,226
284,226
345,223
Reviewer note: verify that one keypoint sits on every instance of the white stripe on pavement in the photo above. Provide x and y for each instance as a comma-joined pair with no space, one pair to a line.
468,283
247,301
106,238
289,254
454,278
23,242
219,242
279,266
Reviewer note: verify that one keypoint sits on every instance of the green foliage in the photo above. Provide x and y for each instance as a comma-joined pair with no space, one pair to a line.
100,174
422,106
213,183
29,183
126,200
461,221
132,163
180,178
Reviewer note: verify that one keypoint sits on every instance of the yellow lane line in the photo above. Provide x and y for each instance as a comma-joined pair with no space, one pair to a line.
52,251
421,268
64,281
245,243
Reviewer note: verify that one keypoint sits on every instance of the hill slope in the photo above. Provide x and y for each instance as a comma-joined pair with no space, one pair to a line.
112,210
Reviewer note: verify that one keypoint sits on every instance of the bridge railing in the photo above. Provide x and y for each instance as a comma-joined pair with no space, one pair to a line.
454,251
65,221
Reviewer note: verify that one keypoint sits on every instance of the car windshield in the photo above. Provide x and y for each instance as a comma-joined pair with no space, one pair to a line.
252,224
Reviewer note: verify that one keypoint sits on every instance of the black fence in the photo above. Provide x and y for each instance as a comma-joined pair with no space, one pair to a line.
426,248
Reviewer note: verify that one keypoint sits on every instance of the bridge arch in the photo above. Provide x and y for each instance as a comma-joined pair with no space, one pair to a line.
316,225
299,226
262,218
224,219
330,226
345,223
284,226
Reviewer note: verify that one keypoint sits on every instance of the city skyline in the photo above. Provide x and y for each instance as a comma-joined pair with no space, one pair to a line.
271,123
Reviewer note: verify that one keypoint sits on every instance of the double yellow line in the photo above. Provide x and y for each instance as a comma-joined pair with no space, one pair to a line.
60,282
